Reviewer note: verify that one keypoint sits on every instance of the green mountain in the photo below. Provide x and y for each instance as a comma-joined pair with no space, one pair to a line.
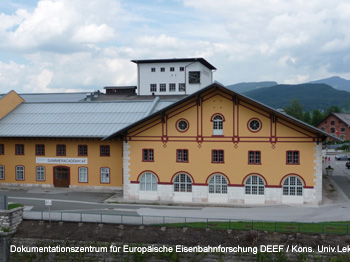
246,87
311,96
336,82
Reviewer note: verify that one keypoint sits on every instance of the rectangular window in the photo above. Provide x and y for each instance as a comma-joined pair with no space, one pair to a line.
40,173
162,69
293,157
61,150
40,150
20,149
105,175
153,69
194,77
19,172
182,87
172,69
147,155
2,149
172,87
83,175
2,172
153,87
162,87
217,156
182,155
104,150
82,150
254,157
182,68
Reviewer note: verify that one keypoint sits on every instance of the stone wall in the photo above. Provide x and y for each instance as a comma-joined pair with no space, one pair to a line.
9,220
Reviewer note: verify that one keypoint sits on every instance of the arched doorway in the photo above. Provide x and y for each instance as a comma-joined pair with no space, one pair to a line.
61,176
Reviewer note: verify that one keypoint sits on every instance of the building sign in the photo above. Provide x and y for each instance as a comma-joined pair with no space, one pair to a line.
59,160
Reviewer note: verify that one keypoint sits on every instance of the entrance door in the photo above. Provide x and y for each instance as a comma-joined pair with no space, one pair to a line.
61,177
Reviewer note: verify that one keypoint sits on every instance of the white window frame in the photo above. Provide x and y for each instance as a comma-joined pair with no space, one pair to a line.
105,175
2,172
20,173
172,87
292,186
83,174
162,87
40,173
218,125
148,182
217,184
153,87
182,87
254,185
182,183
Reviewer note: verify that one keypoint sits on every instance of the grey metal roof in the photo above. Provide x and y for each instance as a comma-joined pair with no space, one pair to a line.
79,119
175,60
344,117
53,97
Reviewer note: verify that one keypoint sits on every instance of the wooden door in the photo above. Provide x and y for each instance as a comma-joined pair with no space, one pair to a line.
61,177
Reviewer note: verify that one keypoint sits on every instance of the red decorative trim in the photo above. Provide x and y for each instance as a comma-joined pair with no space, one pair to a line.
217,173
23,173
293,157
217,114
36,149
143,130
293,174
147,171
177,127
87,175
254,151
109,174
188,155
134,182
36,177
293,129
199,184
62,146
148,151
257,119
182,172
254,174
254,109
165,183
217,155
82,154
3,168
20,148
105,154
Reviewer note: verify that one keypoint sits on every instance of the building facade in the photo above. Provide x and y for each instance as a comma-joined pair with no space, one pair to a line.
213,146
219,147
173,76
336,124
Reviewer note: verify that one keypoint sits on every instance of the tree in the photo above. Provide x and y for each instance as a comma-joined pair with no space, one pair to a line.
295,109
333,109
307,117
317,117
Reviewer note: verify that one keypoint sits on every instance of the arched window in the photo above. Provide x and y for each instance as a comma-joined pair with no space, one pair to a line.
218,125
148,182
182,183
292,186
218,184
332,122
322,128
254,185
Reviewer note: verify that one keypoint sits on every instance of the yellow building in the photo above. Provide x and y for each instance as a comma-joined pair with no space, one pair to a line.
213,146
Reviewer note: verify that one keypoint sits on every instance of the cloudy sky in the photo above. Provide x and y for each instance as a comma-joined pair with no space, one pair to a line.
84,45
